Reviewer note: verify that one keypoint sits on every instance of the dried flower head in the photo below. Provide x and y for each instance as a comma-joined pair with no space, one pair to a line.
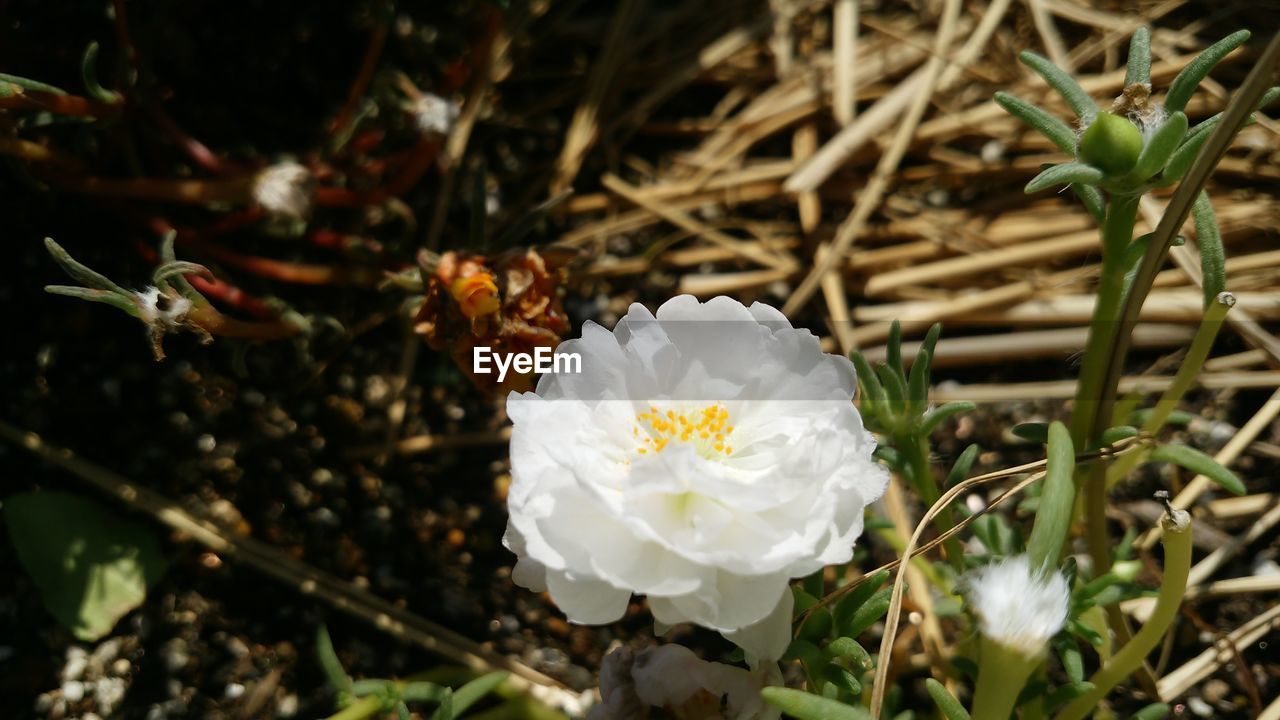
285,189
671,677
508,302
1018,607
156,308
434,114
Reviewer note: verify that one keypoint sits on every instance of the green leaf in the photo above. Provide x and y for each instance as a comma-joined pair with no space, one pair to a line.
1065,174
817,626
855,598
1071,658
1053,519
1213,258
1139,67
368,686
1058,132
942,413
1199,463
445,710
945,701
868,613
893,349
918,382
1092,199
29,84
850,654
804,706
471,693
842,679
894,387
960,470
89,74
1033,431
1182,158
1155,711
92,567
1113,435
332,667
106,297
1185,84
1157,151
1065,694
1077,99
81,273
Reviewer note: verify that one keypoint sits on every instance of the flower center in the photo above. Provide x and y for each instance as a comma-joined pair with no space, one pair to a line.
706,428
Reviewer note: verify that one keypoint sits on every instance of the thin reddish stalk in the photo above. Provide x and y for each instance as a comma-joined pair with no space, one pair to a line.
377,41
58,104
419,160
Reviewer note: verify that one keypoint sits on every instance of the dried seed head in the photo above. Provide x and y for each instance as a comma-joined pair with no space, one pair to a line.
433,114
285,189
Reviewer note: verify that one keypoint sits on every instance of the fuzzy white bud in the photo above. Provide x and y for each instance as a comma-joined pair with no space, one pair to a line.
167,314
1018,607
434,114
285,189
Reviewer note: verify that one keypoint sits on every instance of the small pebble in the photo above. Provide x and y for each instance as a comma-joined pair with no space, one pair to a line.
1215,691
73,691
233,691
288,706
77,661
1199,707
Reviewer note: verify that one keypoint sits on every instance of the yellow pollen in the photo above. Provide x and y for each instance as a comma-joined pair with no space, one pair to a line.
707,428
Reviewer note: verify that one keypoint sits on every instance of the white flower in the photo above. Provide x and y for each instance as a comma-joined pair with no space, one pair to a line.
285,189
434,114
703,458
167,314
1019,608
672,677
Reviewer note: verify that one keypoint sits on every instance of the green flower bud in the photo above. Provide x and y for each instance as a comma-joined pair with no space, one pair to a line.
1111,143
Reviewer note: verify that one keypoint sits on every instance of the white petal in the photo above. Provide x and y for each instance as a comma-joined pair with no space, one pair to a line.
586,600
767,640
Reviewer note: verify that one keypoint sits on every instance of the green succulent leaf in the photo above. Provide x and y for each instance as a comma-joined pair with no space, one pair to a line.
945,701
1199,463
1213,258
1092,199
474,691
1058,132
1065,174
806,706
1185,84
1139,66
1053,518
1061,81
942,413
1156,153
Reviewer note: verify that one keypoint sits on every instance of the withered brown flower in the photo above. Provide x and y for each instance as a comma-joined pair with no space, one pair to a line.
509,302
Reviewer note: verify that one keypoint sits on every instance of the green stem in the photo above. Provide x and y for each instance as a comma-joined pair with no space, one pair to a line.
1117,233
1001,676
916,451
1201,344
365,707
1177,566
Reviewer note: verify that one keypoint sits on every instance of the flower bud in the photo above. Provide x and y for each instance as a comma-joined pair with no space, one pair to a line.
1111,143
